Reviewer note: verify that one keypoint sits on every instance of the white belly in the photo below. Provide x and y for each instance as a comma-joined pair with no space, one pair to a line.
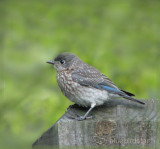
86,96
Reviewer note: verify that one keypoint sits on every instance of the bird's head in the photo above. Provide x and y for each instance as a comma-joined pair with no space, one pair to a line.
63,61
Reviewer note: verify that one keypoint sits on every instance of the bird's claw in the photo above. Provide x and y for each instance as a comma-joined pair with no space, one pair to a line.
78,117
83,118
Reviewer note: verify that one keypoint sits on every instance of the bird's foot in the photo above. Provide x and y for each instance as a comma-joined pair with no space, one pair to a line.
78,117
81,118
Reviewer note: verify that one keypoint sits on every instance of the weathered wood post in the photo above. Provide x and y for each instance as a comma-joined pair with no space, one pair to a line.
118,123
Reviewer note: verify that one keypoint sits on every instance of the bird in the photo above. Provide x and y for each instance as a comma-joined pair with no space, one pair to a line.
85,85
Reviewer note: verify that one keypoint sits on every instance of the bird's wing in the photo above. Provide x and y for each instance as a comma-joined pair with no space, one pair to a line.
92,77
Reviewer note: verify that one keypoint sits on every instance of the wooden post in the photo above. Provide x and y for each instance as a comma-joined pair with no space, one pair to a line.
117,123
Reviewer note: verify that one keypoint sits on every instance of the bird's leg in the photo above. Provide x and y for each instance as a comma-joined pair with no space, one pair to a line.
80,118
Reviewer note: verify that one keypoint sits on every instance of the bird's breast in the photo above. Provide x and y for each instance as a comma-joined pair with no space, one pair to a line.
65,82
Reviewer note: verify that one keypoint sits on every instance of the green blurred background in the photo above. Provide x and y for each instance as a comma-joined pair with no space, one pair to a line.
120,38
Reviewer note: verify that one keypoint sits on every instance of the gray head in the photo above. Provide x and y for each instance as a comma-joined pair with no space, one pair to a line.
64,61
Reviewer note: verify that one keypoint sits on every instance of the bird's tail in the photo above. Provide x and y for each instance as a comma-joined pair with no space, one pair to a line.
122,94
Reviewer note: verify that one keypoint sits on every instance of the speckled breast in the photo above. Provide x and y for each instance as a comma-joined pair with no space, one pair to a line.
66,84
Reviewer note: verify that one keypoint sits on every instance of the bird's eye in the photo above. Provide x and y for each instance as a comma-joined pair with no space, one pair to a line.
62,61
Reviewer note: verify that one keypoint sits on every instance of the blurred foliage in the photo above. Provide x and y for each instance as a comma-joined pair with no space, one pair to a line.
120,38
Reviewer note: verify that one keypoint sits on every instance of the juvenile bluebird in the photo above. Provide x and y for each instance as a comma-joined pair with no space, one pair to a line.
84,84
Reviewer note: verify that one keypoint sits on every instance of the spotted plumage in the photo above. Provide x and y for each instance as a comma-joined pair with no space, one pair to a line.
84,84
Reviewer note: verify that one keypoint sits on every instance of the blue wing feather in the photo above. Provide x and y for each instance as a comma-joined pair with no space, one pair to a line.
107,88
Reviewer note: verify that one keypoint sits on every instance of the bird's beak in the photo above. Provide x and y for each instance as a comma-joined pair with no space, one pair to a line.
50,62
